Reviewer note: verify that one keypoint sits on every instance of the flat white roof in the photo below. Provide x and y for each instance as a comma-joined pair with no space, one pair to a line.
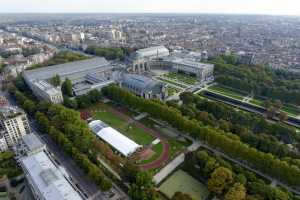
116,139
47,178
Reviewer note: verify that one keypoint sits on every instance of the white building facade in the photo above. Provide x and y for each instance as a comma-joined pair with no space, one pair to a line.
14,125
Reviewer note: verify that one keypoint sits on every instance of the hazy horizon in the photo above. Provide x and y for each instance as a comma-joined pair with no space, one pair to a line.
246,7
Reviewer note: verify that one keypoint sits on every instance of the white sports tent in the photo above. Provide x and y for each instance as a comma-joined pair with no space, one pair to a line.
116,139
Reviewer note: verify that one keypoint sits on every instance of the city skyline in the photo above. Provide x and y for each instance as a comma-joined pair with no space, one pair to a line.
278,7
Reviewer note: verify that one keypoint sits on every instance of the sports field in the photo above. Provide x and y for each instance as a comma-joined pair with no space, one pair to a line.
133,132
180,181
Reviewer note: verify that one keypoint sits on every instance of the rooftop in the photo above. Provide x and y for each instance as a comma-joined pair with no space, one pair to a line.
152,51
10,112
116,139
66,69
43,85
191,63
32,142
48,179
140,82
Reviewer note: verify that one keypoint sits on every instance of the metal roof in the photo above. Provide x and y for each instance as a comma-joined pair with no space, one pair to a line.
32,142
116,139
190,63
47,179
140,82
46,87
66,69
152,51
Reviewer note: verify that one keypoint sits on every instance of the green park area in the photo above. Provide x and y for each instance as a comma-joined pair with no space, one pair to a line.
227,92
172,82
172,90
180,181
133,132
8,165
157,151
190,80
257,102
291,110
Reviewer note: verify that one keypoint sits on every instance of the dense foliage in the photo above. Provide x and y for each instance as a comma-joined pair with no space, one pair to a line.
252,129
143,187
261,81
223,141
61,58
8,165
66,88
230,181
55,80
108,53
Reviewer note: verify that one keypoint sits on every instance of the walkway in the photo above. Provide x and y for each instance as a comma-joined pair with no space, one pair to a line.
162,174
167,170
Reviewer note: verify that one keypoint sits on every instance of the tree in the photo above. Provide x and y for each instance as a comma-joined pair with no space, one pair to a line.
70,103
236,192
143,187
130,171
67,88
187,97
181,196
282,116
220,179
55,80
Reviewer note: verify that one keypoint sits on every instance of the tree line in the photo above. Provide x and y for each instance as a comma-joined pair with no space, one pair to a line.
220,140
71,134
108,53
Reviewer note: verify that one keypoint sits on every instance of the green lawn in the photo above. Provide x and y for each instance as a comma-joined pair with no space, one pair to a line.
257,102
180,181
172,82
158,149
292,110
289,109
182,78
172,90
226,92
131,131
176,147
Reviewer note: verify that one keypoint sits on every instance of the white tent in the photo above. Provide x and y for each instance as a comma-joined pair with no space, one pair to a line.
116,139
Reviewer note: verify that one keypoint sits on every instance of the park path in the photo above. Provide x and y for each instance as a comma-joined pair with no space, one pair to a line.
168,169
164,157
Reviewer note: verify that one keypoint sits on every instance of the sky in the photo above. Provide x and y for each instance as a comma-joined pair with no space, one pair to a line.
270,7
